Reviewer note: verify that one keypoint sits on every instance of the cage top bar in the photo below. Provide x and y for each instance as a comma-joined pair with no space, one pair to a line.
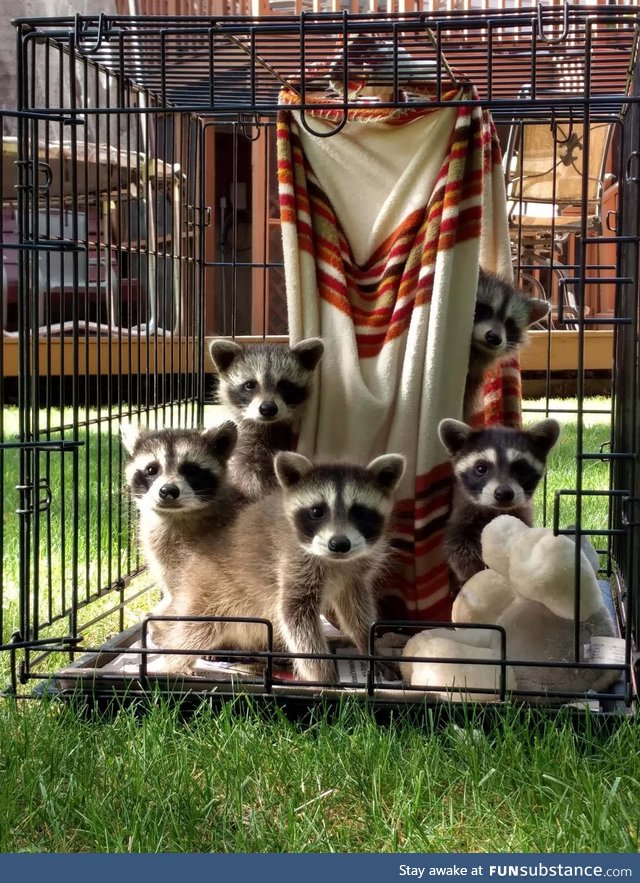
210,64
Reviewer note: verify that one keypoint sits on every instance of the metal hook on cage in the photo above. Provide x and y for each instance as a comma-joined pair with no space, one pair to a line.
345,77
47,176
627,511
628,177
25,168
44,502
31,501
91,49
604,457
553,125
440,56
552,41
333,131
247,122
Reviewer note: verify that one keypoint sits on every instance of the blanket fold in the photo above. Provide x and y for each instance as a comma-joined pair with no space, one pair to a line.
384,225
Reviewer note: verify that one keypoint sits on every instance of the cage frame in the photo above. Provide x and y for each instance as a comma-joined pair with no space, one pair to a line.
85,45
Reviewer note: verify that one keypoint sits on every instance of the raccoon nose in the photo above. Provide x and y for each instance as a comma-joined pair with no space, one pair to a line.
493,338
339,543
504,494
268,409
169,492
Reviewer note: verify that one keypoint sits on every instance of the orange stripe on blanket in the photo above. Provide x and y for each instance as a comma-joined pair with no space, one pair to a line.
322,211
370,352
398,116
328,254
404,229
331,288
375,318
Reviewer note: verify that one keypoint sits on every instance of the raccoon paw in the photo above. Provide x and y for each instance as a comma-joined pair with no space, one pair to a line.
323,670
391,640
388,671
174,664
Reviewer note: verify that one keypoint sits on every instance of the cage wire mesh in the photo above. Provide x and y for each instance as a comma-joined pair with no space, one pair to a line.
140,217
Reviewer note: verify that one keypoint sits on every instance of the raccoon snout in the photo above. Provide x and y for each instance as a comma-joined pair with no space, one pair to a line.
339,544
504,494
493,338
169,492
268,409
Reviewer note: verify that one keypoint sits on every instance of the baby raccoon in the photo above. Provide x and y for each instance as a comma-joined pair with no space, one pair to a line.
265,387
496,471
317,542
502,316
177,479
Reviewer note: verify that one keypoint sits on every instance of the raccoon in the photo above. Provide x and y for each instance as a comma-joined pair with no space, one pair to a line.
502,316
496,471
177,478
265,387
318,541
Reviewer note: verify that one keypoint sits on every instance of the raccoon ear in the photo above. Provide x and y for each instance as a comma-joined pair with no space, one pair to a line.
290,468
129,435
544,434
538,310
453,434
308,352
388,471
221,439
224,353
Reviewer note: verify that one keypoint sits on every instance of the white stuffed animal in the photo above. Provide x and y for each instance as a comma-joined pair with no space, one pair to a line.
529,590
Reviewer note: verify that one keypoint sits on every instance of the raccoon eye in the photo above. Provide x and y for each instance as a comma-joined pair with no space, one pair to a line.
482,313
317,512
250,384
512,330
481,467
151,469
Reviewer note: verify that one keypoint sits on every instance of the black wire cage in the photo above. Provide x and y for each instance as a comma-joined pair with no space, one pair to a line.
140,218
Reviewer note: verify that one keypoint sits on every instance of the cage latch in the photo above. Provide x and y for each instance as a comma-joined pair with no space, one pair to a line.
32,498
24,168
629,177
83,30
558,38
627,512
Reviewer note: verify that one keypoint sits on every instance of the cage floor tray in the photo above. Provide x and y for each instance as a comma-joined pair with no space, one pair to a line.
117,665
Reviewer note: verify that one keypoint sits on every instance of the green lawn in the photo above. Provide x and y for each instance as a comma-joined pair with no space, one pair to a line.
100,545
562,465
232,781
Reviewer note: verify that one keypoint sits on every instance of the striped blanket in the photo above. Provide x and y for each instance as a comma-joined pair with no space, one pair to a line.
384,225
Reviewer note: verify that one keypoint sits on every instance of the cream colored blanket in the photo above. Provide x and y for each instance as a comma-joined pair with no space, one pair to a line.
384,225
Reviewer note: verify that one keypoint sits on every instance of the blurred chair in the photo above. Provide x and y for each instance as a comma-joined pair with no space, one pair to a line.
549,199
96,276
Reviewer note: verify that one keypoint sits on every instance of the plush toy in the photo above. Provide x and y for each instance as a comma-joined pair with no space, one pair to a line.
529,590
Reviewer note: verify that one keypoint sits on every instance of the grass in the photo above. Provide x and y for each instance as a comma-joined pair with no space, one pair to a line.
243,782
563,466
85,493
231,782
